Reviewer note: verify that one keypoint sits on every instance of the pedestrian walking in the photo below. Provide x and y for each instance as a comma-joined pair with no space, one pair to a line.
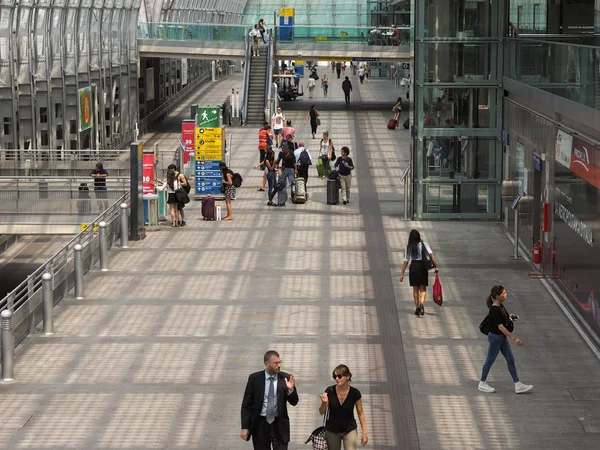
418,275
338,68
397,109
264,414
311,86
325,85
229,188
277,123
303,161
332,66
339,401
287,161
313,117
361,74
271,171
326,153
501,325
347,88
344,165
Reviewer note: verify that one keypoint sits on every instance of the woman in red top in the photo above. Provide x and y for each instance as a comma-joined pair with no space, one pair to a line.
265,140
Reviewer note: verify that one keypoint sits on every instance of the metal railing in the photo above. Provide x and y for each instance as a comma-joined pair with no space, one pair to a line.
25,301
60,155
269,81
324,35
192,32
247,63
57,196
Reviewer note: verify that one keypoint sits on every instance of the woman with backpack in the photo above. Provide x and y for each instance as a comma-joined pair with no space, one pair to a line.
414,254
229,188
313,116
171,186
185,186
501,325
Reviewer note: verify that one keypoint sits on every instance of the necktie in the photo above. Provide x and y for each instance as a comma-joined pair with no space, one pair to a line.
271,401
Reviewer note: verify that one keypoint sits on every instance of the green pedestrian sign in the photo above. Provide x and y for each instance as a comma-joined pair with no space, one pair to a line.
208,117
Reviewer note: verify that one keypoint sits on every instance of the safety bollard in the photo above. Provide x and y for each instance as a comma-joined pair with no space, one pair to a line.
124,226
48,304
78,262
103,247
8,347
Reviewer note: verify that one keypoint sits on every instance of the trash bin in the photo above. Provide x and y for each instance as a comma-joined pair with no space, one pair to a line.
150,210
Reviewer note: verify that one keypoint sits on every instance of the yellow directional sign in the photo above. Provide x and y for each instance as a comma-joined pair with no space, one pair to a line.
286,12
209,144
210,133
209,155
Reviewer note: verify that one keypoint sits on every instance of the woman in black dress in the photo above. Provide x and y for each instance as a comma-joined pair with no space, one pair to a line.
339,401
417,274
313,116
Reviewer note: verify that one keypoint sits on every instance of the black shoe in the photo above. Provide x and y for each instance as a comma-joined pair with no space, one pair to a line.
345,202
280,204
182,223
418,311
270,204
422,310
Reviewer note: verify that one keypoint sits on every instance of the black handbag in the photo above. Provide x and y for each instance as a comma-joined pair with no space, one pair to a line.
485,324
182,196
426,257
317,437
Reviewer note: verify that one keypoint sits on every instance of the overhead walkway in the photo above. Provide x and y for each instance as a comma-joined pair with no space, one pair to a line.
166,40
158,353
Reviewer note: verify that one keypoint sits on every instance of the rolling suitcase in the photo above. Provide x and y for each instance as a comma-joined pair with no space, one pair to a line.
392,124
281,193
208,208
333,192
299,191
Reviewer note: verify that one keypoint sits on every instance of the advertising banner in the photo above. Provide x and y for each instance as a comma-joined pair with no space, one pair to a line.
148,173
579,157
188,138
85,108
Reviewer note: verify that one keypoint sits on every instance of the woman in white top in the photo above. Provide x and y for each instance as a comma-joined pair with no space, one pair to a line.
417,274
171,186
326,151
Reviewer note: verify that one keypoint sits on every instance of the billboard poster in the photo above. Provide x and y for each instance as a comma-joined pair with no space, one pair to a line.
579,157
188,138
85,108
184,71
148,173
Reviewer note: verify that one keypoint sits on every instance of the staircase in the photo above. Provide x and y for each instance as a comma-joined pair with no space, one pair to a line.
256,89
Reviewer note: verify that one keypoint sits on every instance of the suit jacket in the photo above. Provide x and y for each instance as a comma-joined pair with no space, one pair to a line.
253,401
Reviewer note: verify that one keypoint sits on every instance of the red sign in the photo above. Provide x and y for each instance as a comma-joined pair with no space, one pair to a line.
148,173
188,137
584,161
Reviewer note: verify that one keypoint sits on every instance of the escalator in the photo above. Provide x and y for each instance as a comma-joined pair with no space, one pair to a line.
258,70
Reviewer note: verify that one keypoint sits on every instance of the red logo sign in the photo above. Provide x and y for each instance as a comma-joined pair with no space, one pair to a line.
583,159
148,173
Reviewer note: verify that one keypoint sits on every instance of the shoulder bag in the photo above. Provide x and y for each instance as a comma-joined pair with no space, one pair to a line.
426,257
317,437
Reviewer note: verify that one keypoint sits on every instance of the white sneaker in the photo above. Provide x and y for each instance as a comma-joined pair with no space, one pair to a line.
484,387
521,388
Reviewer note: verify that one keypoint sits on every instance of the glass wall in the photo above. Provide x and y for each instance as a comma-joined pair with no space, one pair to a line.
310,12
569,183
457,120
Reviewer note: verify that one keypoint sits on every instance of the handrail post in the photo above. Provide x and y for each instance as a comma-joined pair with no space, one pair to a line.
48,304
8,347
78,262
103,247
124,226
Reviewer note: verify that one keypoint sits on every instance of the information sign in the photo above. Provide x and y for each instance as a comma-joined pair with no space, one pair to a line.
208,177
148,173
286,12
360,59
203,133
208,116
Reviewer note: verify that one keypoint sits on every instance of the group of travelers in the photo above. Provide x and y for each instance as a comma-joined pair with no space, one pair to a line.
265,418
257,34
294,158
175,183
498,324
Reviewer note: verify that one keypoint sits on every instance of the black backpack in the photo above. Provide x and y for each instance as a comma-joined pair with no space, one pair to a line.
304,159
187,188
237,180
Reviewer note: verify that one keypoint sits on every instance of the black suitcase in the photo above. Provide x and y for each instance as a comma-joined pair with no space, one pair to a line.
208,208
406,124
333,191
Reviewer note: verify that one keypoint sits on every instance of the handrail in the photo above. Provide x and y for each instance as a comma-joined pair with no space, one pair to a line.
244,108
269,81
25,298
548,42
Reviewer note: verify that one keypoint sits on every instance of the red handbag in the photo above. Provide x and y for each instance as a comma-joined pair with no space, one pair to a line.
438,297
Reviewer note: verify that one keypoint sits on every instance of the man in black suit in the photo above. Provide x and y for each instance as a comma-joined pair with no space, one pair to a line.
264,407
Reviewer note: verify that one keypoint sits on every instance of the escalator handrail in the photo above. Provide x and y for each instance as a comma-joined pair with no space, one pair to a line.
268,81
246,81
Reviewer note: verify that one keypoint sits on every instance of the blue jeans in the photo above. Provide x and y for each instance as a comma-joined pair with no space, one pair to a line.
271,180
499,343
288,174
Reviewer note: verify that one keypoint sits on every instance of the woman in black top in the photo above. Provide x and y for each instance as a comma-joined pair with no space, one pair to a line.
271,174
229,188
341,399
313,114
501,326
